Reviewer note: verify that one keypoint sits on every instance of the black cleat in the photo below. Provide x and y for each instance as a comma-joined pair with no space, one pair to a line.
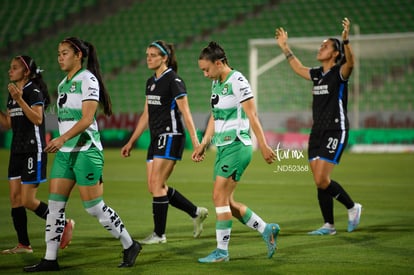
44,265
130,254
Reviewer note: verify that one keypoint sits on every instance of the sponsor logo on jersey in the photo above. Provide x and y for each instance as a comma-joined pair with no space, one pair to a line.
93,91
245,91
320,90
154,99
214,100
16,112
62,99
225,168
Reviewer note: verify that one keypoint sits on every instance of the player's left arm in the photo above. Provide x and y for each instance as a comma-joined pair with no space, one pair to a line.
346,68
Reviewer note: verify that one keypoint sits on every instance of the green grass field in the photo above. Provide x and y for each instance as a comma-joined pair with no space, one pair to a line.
383,244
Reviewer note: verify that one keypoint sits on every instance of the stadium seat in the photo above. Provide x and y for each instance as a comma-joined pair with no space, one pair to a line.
122,37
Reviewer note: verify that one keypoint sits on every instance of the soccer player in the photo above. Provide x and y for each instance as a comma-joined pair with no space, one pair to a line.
79,153
233,112
329,134
27,101
165,107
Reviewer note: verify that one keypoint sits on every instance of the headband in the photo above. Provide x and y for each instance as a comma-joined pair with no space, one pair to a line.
24,62
72,43
160,47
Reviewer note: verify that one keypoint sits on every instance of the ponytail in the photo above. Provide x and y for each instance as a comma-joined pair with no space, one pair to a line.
95,68
35,76
339,47
89,51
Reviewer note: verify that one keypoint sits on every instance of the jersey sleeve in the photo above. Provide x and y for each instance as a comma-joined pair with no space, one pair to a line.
90,88
241,88
34,96
178,88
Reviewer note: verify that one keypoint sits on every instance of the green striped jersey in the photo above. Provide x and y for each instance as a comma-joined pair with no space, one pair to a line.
230,121
71,93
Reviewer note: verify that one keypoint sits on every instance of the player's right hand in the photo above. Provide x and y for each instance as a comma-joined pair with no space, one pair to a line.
126,150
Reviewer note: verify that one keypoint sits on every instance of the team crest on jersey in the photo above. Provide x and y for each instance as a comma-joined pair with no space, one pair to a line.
73,87
152,88
225,90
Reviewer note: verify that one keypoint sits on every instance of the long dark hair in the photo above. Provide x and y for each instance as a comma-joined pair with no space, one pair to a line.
89,51
338,46
35,76
166,49
213,52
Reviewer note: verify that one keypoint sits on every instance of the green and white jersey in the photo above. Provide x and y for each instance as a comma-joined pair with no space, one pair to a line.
230,121
71,93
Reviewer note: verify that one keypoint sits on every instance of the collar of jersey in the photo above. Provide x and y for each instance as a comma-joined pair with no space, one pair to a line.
74,75
163,73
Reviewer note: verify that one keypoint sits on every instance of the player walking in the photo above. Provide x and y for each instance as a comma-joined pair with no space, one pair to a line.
233,112
79,152
165,107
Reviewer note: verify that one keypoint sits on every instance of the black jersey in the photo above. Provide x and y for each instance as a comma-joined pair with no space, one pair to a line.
164,115
27,137
330,99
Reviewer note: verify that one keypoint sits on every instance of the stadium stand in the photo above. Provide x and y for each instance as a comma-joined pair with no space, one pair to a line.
122,35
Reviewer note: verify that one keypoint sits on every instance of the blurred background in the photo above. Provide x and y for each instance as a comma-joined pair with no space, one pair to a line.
381,95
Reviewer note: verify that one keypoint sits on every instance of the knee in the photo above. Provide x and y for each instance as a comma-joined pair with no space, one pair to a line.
321,181
16,200
218,199
157,189
28,203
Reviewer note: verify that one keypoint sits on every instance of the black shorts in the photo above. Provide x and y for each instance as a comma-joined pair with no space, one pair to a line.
327,145
29,167
166,146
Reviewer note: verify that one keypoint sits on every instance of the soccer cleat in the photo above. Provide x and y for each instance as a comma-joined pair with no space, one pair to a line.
198,222
44,265
67,233
19,249
154,239
354,216
323,231
270,236
130,254
218,255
